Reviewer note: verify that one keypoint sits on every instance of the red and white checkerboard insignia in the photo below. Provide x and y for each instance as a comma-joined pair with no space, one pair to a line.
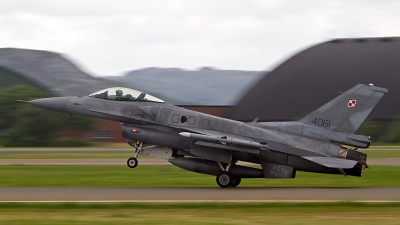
352,103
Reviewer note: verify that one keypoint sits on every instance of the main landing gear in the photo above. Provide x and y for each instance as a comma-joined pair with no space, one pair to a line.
225,178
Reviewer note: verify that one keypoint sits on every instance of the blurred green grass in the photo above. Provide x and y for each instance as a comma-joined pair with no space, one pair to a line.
171,176
72,155
201,213
378,154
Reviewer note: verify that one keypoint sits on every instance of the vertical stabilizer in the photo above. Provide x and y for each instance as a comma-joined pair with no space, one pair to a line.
348,111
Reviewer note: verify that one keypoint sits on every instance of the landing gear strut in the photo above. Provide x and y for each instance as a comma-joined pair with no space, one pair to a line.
132,161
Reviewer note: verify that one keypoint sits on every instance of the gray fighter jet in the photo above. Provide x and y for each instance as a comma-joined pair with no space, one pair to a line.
213,145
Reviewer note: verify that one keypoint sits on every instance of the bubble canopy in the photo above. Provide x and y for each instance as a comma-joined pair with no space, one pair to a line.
124,94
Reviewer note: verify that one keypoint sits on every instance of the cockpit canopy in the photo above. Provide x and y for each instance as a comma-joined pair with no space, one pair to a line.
124,94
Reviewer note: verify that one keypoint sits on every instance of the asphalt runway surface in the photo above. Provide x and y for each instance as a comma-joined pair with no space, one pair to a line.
244,194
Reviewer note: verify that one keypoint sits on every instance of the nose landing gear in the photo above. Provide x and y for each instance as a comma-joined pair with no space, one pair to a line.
132,161
138,145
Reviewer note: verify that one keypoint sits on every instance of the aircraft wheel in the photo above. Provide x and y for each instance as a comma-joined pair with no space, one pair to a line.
224,179
132,162
236,181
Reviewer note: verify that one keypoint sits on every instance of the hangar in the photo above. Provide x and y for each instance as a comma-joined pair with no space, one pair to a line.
314,76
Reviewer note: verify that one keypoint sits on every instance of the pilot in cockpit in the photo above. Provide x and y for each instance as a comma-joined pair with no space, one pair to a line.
128,97
118,95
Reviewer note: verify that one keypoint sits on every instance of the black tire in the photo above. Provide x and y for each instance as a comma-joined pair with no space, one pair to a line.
224,179
236,181
132,162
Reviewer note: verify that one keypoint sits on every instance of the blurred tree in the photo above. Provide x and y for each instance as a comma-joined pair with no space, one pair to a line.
372,128
392,132
23,123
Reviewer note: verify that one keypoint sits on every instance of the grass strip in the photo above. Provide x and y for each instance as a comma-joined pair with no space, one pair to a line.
379,154
171,176
77,155
200,213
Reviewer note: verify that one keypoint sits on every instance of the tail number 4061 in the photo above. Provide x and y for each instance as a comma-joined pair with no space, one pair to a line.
321,122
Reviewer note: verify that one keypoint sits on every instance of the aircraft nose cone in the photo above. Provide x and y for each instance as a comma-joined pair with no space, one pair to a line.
57,104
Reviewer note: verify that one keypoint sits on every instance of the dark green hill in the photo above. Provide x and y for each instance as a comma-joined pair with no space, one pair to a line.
47,70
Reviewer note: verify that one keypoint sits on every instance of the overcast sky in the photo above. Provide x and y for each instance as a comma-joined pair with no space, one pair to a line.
112,37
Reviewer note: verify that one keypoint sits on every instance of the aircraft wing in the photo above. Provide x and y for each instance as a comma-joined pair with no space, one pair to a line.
256,147
230,143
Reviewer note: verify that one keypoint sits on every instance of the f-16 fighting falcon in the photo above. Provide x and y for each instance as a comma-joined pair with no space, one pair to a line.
213,145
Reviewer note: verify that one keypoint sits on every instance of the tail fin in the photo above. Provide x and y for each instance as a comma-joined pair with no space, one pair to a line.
348,111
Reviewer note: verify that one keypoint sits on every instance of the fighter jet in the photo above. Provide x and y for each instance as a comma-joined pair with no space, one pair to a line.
321,142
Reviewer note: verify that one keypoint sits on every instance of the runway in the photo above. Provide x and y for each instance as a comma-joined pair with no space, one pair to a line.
197,194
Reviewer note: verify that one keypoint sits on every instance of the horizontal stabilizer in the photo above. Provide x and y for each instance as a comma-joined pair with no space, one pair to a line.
332,162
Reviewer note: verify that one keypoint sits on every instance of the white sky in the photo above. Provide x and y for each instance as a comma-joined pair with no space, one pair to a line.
111,37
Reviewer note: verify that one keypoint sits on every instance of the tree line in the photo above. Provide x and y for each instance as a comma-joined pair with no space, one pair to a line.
22,124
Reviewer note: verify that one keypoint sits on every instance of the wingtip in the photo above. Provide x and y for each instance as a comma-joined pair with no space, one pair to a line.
21,101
